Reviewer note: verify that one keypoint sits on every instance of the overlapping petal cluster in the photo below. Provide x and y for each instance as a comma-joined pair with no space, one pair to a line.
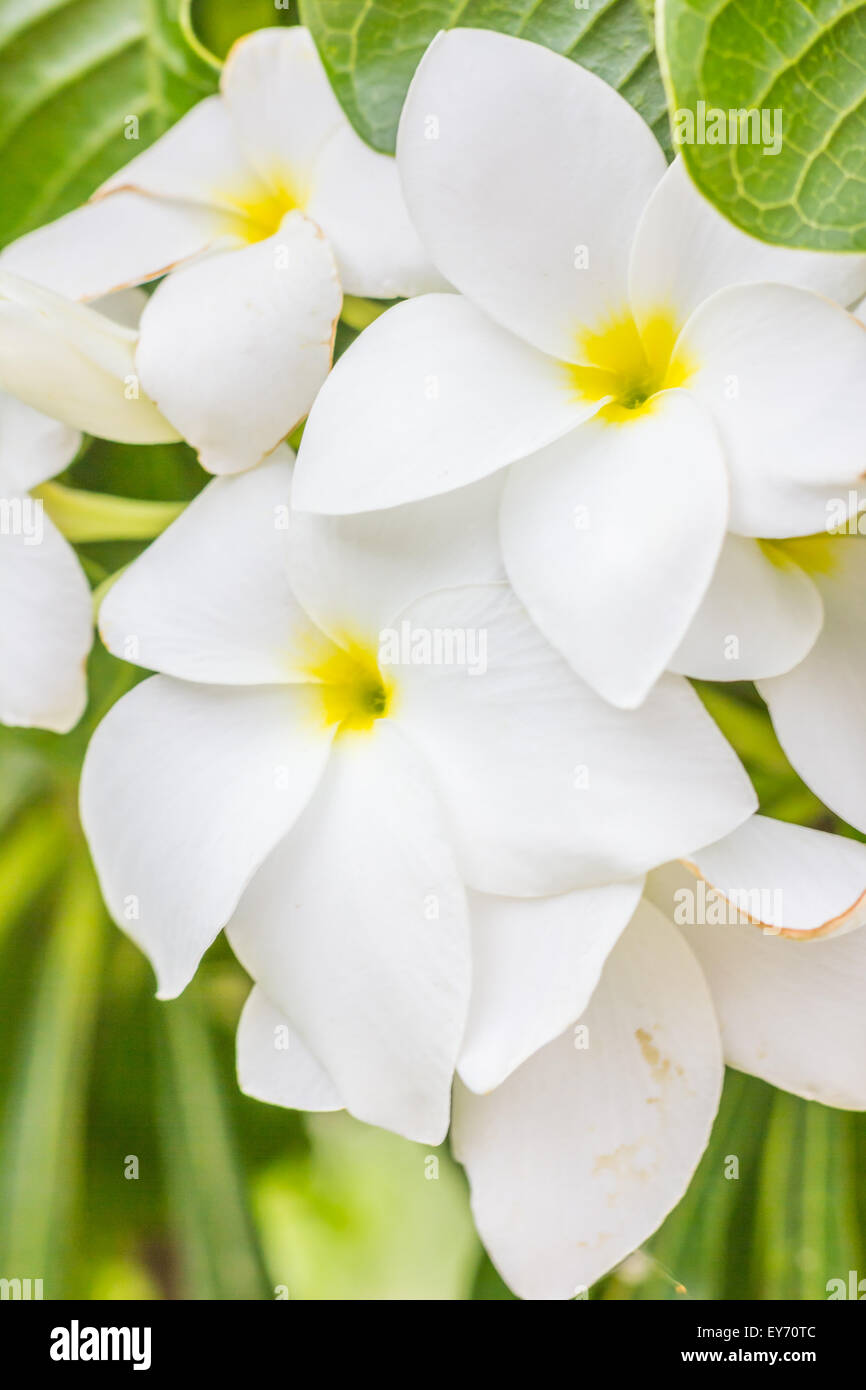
420,737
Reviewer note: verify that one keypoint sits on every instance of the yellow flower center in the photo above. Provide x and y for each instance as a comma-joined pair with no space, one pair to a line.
816,555
354,693
261,210
628,364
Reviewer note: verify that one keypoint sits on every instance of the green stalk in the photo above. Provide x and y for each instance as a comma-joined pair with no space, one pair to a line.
96,516
360,313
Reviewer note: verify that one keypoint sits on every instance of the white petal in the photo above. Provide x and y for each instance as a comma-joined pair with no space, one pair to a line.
781,370
759,617
790,1010
786,879
185,790
33,447
235,348
525,175
432,396
535,964
610,537
117,241
685,250
819,707
199,160
581,1154
281,103
47,626
210,600
360,572
74,364
357,201
547,787
274,1065
357,927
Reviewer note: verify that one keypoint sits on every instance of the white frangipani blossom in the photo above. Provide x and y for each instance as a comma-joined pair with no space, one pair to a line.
669,392
47,620
261,206
598,1026
819,707
279,777
75,363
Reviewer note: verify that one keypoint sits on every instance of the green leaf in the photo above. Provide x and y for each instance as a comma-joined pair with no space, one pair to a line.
372,48
703,1244
216,26
771,1211
43,1130
805,60
220,1254
30,852
73,73
807,1230
489,1286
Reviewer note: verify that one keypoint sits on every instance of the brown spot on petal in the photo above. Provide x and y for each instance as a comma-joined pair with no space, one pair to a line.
659,1066
621,1163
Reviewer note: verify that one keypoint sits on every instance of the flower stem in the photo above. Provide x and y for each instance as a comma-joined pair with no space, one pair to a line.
360,313
97,516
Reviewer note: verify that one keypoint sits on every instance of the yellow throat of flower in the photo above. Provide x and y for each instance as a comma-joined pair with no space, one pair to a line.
353,691
628,364
817,555
261,212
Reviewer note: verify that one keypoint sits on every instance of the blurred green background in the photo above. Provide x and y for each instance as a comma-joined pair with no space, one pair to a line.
130,1165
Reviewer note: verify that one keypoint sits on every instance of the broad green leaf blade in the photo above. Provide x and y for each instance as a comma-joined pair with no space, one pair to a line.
220,1253
86,84
805,61
807,1229
371,48
43,1123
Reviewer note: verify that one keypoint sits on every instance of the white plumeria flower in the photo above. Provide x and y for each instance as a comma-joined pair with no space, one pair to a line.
819,708
75,363
47,627
270,203
592,1062
279,770
655,377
